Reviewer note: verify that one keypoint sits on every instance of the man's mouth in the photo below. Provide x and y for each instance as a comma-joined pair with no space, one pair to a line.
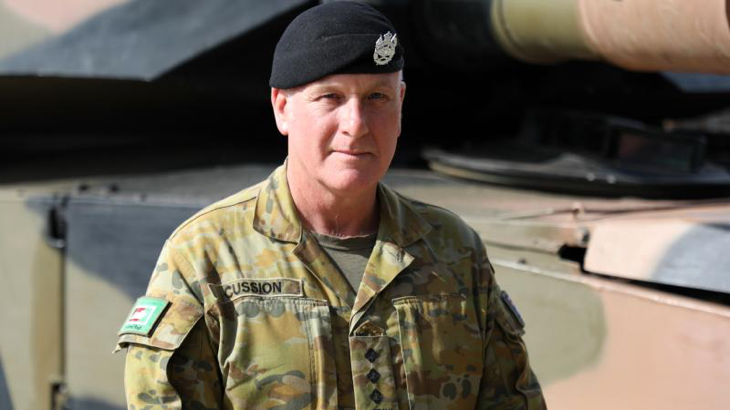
352,153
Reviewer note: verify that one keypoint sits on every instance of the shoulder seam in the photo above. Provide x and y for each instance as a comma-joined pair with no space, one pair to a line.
201,213
178,255
426,204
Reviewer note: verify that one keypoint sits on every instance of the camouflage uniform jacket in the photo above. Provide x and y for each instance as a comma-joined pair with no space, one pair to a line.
258,317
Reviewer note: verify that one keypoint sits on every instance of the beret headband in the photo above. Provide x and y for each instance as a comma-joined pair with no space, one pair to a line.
340,37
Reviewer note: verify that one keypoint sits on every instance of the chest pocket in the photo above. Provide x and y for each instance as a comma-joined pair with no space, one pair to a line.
442,350
279,354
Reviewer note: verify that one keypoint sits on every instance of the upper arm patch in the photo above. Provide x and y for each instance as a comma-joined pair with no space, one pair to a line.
509,316
145,315
166,326
513,309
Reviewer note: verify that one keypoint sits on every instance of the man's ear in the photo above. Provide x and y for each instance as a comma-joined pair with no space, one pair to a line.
279,99
402,91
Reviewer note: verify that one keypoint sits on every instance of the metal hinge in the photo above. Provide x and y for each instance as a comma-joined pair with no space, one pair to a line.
59,396
55,230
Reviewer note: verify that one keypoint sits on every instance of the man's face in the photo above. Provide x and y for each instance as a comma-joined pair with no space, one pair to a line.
342,129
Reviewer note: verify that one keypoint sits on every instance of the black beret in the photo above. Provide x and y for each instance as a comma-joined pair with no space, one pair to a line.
335,38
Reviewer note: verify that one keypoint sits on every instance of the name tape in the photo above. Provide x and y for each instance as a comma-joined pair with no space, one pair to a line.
258,287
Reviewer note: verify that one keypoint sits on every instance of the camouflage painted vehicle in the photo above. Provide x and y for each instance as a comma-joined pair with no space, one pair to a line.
605,209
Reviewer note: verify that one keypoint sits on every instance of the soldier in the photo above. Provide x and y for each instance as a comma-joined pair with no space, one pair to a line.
321,287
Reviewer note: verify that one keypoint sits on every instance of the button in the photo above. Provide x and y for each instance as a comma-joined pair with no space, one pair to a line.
373,376
371,355
376,396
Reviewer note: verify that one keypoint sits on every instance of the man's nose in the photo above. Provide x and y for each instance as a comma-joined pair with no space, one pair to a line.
354,122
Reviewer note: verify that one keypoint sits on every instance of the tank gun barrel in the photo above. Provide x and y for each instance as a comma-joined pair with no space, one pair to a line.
640,35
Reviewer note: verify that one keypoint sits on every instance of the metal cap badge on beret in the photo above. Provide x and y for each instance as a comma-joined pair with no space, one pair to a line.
341,37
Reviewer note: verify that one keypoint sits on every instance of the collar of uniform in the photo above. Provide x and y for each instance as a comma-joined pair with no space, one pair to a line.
275,215
398,219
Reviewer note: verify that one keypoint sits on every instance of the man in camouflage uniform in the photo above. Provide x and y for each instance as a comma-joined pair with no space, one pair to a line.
260,301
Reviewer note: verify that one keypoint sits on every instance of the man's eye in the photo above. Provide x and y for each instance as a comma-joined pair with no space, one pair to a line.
377,96
330,96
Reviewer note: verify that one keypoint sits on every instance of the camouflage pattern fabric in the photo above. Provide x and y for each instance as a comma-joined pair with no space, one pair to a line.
259,317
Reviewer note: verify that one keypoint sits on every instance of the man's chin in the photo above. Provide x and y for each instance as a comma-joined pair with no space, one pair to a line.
352,180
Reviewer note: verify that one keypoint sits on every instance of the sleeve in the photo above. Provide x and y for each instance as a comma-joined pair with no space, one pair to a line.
508,381
173,363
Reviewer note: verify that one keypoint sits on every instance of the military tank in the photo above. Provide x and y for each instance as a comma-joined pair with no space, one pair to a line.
587,141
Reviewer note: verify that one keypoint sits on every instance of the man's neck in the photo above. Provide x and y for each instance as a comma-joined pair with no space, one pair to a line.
328,213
